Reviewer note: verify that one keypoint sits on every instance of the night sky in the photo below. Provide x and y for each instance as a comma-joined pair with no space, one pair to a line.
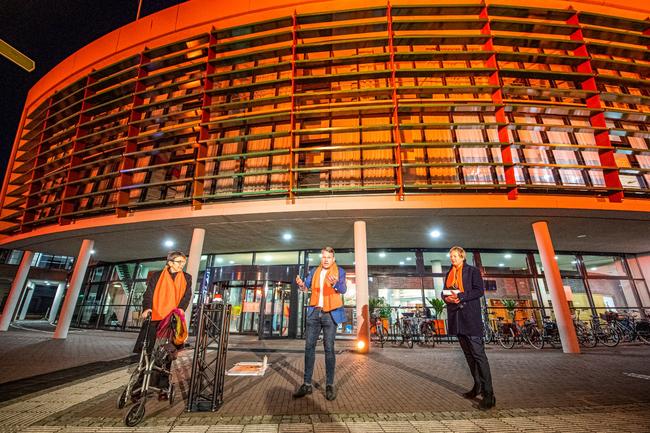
48,31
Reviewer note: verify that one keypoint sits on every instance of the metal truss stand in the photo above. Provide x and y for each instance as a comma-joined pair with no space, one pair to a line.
206,383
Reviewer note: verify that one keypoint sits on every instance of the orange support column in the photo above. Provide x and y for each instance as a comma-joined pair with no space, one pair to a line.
67,205
292,116
556,288
361,280
597,120
500,111
393,84
204,132
127,164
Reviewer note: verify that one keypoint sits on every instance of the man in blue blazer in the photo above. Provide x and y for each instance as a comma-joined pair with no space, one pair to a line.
463,292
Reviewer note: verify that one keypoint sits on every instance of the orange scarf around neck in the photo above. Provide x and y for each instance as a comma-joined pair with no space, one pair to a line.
331,298
455,277
167,294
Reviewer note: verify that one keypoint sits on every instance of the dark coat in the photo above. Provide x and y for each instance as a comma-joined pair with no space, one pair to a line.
467,320
147,303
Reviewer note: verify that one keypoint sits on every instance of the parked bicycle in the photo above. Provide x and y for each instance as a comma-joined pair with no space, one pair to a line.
628,327
378,332
510,334
585,334
550,332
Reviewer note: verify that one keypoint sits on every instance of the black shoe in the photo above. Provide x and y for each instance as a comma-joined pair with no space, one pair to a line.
302,391
472,393
330,392
488,402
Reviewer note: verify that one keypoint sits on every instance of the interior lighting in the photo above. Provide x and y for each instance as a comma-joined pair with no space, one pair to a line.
435,234
287,236
507,256
581,236
555,257
501,265
401,263
219,260
268,258
593,269
408,259
573,262
92,251
169,243
382,254
232,262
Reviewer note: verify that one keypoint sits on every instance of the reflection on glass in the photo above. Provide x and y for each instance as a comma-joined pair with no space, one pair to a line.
506,262
612,294
604,266
233,259
438,262
277,258
567,263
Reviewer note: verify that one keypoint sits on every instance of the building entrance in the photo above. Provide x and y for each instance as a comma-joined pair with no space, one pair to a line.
261,298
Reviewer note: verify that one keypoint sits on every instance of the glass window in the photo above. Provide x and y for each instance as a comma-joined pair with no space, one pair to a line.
633,263
644,295
438,262
233,259
612,294
391,262
146,267
123,271
278,258
604,266
568,264
397,291
504,263
574,290
99,273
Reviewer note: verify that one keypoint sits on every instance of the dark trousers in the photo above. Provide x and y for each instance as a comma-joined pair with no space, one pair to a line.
316,321
474,350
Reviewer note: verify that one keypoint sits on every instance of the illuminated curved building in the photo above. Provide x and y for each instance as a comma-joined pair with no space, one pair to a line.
435,124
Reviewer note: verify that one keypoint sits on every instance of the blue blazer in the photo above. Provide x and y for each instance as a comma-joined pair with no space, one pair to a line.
467,320
338,315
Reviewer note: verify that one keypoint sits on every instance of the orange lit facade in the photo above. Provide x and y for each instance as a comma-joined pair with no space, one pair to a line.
205,112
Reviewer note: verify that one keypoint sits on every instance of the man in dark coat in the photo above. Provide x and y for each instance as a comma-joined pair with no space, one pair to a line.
463,292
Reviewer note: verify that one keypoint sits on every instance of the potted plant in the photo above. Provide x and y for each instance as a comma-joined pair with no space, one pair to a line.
379,308
510,305
438,306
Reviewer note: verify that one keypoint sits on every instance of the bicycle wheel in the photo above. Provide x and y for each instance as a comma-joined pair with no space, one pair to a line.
555,341
534,338
407,338
506,338
586,337
382,335
609,336
488,334
643,331
429,334
122,398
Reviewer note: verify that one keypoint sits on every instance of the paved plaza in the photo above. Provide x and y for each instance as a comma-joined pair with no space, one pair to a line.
72,385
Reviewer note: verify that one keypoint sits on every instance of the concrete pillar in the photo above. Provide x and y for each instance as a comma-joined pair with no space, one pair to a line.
556,288
438,282
361,277
29,292
78,273
16,290
193,264
60,290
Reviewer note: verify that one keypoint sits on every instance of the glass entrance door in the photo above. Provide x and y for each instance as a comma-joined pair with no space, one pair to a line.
258,307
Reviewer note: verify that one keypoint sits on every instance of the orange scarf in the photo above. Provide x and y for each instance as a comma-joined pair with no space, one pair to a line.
167,294
455,277
331,298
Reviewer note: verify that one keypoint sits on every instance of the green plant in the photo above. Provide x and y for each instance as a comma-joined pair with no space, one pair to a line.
438,306
378,306
510,305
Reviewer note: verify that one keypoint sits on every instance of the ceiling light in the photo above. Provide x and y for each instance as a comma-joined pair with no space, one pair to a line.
169,243
232,262
219,260
581,236
268,258
287,236
501,265
408,259
92,251
555,257
204,258
507,256
435,234
401,263
382,254
573,262
593,269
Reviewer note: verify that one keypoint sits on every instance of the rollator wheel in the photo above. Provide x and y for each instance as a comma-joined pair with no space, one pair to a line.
135,414
122,398
170,394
